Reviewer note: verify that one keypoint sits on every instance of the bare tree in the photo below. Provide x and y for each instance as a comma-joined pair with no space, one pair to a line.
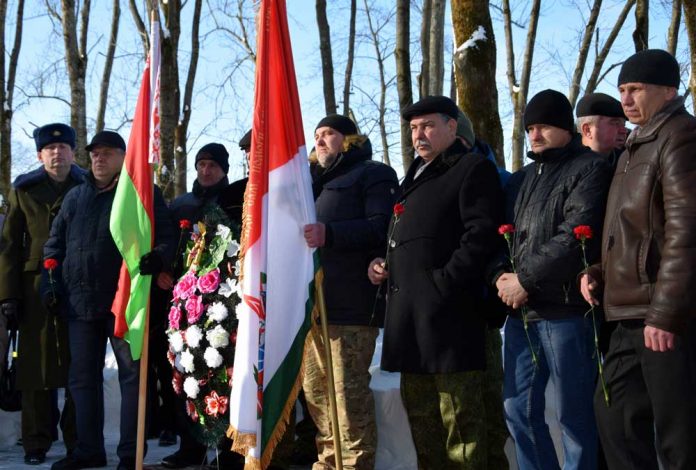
403,75
640,35
174,114
585,44
76,64
690,20
108,65
379,56
424,76
351,53
475,65
673,32
326,59
437,51
601,56
7,86
519,90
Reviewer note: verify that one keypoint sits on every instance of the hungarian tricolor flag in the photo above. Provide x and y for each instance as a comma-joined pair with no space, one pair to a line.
278,269
132,213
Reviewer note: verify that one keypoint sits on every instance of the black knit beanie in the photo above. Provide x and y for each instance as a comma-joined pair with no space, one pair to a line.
652,66
339,122
215,152
549,107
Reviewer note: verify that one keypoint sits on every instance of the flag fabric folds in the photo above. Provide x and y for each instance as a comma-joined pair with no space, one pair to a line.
132,213
278,269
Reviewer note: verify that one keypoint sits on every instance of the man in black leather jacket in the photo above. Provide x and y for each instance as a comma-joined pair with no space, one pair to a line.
564,186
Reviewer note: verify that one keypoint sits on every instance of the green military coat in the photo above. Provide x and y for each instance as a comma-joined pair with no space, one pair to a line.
43,353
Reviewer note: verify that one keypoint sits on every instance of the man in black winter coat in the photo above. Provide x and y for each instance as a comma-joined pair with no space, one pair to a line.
548,335
441,237
89,262
354,197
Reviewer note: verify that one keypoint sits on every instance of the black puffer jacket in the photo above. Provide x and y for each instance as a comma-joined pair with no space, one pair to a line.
562,189
354,198
81,242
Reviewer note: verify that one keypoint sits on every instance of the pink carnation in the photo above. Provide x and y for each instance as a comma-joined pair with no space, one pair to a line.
209,282
174,318
186,287
194,309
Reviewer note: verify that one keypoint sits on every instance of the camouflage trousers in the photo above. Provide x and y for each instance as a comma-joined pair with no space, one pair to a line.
447,419
351,351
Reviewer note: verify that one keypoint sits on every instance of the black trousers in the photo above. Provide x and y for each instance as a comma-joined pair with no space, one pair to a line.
649,391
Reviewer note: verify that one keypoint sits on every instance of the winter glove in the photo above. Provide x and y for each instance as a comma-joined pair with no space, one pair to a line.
150,263
10,309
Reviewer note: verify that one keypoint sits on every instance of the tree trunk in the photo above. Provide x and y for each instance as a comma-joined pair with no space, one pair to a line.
170,173
424,77
690,20
326,59
437,50
585,44
383,87
76,63
673,32
518,92
183,122
640,35
402,57
594,79
108,64
351,53
5,136
475,69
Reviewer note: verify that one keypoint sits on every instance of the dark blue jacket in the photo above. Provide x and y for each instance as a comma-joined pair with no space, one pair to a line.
90,262
354,199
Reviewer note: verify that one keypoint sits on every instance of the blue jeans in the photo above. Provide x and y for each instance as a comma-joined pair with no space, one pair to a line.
564,350
86,383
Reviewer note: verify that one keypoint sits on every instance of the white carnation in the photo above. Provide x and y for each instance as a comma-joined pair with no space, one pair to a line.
176,341
193,336
191,387
223,231
217,311
212,357
218,337
187,362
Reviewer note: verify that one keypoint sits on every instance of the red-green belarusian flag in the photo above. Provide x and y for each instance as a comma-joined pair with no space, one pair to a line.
132,213
278,269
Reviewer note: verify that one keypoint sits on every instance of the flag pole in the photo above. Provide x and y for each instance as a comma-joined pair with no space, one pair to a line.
330,377
145,352
142,393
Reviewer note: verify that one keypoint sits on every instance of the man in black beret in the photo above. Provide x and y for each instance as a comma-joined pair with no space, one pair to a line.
441,236
43,357
354,196
648,276
548,335
602,125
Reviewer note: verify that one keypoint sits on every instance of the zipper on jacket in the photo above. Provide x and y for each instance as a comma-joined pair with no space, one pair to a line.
566,288
540,168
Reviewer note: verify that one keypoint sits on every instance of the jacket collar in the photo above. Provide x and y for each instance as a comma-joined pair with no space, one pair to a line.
38,175
554,154
438,166
649,130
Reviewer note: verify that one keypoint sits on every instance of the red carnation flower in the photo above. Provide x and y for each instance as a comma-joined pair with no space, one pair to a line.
506,228
184,224
398,209
50,264
583,232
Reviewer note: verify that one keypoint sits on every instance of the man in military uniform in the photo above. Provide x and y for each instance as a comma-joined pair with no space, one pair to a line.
43,353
